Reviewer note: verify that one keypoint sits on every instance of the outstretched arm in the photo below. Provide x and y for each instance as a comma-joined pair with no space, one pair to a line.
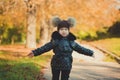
81,49
45,48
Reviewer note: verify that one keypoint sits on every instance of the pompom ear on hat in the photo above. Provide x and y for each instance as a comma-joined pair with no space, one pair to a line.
71,21
55,21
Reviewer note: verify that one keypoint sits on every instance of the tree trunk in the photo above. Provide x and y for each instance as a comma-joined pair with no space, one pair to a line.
43,33
31,26
12,40
31,32
0,39
45,27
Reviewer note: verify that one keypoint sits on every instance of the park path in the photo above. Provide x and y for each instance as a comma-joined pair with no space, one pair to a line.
87,68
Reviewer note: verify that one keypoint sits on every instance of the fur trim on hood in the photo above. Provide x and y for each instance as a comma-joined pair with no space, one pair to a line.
56,35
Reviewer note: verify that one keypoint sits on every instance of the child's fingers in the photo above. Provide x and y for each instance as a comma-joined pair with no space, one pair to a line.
30,55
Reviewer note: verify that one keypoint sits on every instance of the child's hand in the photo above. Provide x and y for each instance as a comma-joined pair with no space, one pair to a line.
30,55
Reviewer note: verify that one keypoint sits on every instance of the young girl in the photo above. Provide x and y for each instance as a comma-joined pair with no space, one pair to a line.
63,43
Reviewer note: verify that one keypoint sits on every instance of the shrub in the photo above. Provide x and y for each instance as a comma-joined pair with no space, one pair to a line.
115,29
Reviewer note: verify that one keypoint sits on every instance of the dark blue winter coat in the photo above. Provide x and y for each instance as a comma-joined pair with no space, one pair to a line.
62,48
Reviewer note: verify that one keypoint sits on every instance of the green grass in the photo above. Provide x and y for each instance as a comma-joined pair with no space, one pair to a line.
109,58
110,44
21,68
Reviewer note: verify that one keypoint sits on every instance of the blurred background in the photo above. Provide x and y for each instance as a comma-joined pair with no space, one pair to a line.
26,24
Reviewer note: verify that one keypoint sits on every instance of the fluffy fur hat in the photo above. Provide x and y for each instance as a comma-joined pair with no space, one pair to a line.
56,21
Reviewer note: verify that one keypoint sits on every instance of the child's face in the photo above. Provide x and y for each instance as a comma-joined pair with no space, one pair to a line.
64,31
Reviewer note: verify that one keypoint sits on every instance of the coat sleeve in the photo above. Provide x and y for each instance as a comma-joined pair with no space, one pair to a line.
81,49
45,48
